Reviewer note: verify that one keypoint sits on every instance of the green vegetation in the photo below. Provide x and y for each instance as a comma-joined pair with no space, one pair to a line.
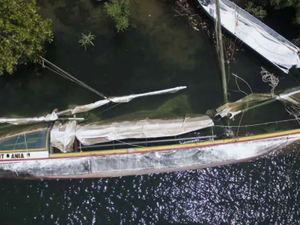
86,40
257,11
118,10
23,34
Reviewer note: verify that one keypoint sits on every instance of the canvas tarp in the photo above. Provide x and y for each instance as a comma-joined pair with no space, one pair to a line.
63,135
271,45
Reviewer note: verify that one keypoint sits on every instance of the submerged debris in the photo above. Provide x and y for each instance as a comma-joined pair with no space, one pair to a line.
198,20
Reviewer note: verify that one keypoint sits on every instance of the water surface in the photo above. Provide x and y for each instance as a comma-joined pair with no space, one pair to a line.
159,50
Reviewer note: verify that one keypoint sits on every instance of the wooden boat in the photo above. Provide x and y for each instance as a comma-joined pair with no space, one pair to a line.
59,148
258,36
28,153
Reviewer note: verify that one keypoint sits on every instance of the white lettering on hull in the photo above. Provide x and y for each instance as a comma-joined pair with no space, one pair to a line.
23,155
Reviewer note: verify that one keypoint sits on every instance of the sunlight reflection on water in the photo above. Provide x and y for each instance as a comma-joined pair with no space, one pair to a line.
263,192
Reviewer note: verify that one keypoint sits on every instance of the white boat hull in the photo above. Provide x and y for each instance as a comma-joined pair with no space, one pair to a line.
142,161
261,38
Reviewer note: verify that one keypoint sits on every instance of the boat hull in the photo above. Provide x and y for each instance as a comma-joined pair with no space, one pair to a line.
255,34
148,160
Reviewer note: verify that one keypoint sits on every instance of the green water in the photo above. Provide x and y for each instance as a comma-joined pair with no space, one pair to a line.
159,50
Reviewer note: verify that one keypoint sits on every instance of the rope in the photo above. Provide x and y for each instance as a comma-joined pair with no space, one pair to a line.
126,143
236,76
257,124
68,76
268,77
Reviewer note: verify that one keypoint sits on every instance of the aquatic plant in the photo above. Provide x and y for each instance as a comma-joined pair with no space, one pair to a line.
86,40
23,34
118,10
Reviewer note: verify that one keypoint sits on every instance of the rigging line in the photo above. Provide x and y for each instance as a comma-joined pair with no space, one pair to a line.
258,124
243,81
242,116
65,75
110,108
72,78
59,73
238,86
134,145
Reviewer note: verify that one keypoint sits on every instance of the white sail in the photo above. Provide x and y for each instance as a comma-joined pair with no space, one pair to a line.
271,45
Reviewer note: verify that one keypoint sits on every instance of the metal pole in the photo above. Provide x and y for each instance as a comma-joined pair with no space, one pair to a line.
221,51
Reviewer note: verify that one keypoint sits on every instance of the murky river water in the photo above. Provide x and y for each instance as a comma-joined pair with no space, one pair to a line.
158,51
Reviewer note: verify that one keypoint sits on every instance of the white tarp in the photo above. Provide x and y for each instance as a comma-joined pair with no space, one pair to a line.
99,133
20,121
122,99
63,135
255,34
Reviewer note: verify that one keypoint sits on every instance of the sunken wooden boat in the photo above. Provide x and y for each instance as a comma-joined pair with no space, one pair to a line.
255,34
56,148
62,146
29,153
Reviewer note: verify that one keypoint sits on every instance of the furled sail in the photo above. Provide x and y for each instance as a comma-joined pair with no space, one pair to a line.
290,97
232,109
63,135
20,121
85,108
268,43
122,99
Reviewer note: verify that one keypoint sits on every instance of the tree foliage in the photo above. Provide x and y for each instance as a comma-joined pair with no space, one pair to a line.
257,8
257,11
118,10
280,4
23,34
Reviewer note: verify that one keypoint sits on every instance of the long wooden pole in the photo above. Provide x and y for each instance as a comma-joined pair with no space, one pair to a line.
221,52
260,104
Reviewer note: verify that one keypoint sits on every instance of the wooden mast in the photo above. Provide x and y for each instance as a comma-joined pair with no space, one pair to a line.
221,51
